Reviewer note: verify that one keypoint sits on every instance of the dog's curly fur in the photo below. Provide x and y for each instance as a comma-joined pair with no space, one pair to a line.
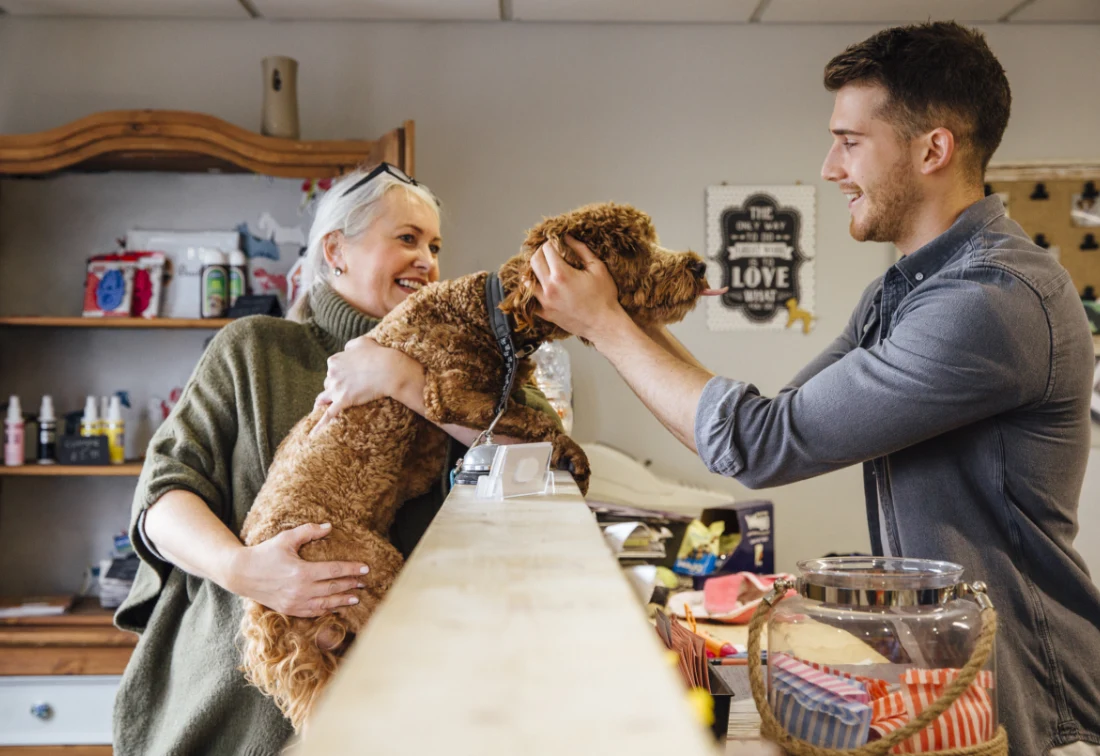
362,466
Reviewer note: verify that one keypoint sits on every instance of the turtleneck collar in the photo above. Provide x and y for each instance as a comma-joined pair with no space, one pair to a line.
337,321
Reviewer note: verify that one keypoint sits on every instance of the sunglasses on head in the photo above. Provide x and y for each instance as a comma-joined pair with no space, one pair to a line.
393,170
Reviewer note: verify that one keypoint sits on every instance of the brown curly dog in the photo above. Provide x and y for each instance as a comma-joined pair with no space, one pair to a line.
372,458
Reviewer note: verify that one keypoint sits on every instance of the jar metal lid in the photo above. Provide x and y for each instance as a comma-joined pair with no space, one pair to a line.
879,581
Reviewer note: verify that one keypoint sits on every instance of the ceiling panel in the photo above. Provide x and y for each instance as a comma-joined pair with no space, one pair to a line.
886,11
1059,11
676,11
378,10
127,8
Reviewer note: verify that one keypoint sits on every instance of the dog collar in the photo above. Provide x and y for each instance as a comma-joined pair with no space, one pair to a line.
503,326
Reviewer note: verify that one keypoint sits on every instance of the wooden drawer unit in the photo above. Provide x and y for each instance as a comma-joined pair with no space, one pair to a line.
58,678
57,709
81,642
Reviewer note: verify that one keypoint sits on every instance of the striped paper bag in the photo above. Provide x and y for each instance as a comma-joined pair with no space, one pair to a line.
967,722
876,688
818,707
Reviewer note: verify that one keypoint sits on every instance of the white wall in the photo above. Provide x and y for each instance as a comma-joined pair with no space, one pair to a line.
517,121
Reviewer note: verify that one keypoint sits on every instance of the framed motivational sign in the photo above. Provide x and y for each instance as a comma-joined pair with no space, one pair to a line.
760,244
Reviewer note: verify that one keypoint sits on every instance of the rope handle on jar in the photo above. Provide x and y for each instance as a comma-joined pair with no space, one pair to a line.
772,730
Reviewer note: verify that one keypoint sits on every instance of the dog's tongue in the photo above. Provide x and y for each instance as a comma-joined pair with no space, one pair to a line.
714,292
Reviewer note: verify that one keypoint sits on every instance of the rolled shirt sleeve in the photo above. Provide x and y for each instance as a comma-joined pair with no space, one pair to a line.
963,348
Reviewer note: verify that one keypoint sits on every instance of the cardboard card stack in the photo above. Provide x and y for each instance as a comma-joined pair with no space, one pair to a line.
636,540
689,647
116,575
669,528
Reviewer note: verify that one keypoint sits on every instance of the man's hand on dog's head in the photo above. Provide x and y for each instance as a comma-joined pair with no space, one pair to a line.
584,302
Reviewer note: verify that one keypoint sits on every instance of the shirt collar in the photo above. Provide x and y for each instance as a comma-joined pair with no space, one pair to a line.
936,254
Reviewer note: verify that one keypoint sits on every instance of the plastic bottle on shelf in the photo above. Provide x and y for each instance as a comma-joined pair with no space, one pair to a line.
554,378
89,423
47,432
104,404
214,285
116,431
238,276
13,434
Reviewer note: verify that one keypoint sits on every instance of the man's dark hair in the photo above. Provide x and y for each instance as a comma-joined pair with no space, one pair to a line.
935,74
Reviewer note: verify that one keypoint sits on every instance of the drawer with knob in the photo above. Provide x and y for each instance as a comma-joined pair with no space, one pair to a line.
57,709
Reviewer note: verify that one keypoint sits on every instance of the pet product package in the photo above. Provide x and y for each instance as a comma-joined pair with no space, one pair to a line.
108,287
749,541
699,549
148,284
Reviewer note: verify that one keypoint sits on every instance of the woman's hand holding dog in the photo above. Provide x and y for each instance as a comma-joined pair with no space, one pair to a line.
366,371
271,573
363,372
584,302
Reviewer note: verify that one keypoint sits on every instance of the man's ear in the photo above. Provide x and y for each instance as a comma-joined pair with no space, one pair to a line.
938,149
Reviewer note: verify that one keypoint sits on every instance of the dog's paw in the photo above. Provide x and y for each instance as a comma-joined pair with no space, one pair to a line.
569,456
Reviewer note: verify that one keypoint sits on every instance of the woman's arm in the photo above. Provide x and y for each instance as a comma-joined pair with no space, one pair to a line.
188,534
366,371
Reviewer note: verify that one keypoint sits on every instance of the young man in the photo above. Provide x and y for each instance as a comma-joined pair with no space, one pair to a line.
961,381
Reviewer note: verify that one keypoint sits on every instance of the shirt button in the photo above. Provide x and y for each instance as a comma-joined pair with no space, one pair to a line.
919,276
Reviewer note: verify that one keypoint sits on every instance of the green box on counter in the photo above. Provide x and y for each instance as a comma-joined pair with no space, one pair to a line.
754,521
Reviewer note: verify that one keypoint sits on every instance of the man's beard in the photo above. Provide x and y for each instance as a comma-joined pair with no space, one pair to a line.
888,217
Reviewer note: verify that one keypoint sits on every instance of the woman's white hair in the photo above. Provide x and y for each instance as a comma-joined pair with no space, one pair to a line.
352,215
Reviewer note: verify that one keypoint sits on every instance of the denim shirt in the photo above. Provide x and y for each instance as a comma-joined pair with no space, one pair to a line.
962,384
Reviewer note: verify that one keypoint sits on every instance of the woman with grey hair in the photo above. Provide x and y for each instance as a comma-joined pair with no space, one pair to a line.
374,241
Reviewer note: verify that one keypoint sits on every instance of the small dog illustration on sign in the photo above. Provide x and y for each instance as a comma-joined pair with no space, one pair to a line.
796,313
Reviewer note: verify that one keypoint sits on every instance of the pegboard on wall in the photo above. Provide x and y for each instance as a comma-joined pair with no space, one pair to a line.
1042,198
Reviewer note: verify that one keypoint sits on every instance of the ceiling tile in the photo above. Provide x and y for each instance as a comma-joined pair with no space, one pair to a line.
673,11
127,8
378,10
885,11
1059,11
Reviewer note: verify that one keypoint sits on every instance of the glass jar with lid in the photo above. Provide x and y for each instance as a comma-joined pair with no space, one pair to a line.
876,650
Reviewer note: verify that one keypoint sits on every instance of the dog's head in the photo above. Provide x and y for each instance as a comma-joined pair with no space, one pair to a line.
621,236
670,289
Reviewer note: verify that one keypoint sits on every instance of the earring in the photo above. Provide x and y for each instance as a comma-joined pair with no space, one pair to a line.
338,272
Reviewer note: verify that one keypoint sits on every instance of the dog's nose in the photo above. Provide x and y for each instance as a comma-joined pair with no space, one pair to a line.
698,269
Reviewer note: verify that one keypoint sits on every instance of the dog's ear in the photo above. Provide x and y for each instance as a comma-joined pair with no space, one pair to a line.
520,300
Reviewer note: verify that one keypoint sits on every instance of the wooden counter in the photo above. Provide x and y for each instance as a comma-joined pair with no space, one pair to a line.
510,631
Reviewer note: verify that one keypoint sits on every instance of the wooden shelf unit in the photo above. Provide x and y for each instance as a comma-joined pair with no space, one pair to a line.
35,321
84,642
32,470
183,142
58,750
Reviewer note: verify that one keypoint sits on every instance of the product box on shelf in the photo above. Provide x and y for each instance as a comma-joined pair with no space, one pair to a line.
183,252
754,522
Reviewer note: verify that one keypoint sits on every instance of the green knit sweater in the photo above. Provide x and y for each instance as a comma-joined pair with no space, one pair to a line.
182,692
